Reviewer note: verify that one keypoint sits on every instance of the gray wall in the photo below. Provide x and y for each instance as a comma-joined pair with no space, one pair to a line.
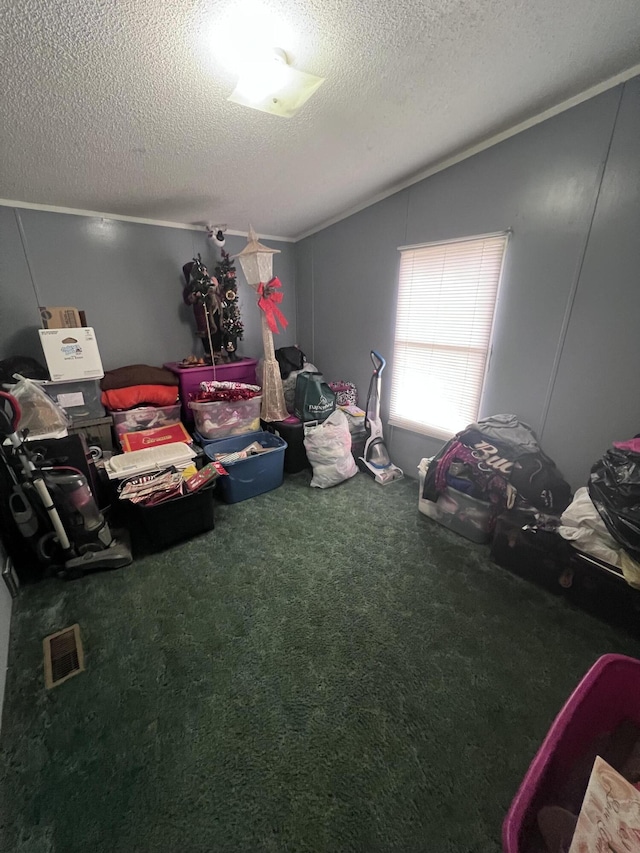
126,276
595,398
565,341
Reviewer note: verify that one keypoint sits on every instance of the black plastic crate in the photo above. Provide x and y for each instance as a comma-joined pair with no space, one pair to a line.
548,559
157,527
536,555
601,589
295,456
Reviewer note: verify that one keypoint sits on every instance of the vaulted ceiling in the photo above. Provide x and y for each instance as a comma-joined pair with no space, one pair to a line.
121,106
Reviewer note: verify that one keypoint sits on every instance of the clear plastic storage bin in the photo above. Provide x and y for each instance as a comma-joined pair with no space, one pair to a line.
459,512
221,419
145,417
80,398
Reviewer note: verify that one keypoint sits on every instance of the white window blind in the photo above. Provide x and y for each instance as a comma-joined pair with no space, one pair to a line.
446,299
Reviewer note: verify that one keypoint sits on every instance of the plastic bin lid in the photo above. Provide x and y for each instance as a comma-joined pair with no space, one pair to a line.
202,404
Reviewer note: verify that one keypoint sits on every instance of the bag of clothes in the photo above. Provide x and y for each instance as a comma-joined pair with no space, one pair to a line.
498,460
614,487
346,393
328,446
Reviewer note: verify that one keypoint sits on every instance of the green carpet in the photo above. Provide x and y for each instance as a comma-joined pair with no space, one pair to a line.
325,671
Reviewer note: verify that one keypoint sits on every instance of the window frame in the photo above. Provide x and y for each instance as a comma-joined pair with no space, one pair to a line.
399,422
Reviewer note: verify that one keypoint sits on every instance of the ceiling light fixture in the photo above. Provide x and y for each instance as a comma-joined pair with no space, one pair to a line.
268,83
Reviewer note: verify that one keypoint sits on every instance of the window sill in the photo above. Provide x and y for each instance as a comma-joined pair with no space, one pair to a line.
420,429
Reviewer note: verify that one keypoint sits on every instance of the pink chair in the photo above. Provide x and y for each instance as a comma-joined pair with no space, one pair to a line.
608,694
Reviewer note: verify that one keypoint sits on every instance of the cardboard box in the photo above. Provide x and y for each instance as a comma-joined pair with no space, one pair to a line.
60,318
71,353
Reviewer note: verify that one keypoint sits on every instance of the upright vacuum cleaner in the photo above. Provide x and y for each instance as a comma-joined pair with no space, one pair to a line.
54,508
376,461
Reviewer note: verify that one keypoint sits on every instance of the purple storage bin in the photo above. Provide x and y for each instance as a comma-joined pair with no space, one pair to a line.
189,378
607,695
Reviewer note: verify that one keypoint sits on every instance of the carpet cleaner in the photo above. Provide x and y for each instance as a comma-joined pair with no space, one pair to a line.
375,460
54,507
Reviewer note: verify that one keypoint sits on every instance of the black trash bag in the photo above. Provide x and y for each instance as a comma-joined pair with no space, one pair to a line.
614,487
539,483
24,365
290,359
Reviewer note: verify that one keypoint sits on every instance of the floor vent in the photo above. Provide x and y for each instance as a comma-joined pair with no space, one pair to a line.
63,656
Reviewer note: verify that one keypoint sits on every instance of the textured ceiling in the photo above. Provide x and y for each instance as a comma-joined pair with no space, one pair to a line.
120,105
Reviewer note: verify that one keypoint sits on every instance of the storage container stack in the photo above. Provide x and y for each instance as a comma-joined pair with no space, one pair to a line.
143,401
81,400
227,421
190,376
75,368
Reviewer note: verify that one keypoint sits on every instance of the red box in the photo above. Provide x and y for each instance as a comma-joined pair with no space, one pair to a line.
154,437
205,475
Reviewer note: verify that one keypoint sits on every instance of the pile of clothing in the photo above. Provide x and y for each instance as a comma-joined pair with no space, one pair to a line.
138,385
498,461
604,518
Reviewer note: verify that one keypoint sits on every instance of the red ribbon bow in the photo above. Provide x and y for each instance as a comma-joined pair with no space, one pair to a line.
269,300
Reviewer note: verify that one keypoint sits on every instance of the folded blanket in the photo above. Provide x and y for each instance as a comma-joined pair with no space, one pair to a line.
139,395
137,374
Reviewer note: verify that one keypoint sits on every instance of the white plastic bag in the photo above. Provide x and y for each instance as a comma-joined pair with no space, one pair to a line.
328,447
40,415
582,525
426,507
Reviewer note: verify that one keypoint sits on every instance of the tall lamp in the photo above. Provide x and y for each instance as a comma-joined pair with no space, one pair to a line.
256,261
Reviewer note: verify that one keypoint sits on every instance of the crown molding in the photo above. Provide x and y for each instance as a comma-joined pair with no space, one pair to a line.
160,223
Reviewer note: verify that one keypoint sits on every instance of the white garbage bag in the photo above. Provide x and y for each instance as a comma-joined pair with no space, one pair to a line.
328,447
582,525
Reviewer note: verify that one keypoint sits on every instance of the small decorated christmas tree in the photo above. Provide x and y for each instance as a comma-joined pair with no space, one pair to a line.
232,326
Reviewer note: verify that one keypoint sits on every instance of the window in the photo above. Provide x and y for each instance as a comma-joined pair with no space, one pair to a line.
446,299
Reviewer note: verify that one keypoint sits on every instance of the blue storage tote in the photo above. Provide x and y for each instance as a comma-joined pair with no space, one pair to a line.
254,475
